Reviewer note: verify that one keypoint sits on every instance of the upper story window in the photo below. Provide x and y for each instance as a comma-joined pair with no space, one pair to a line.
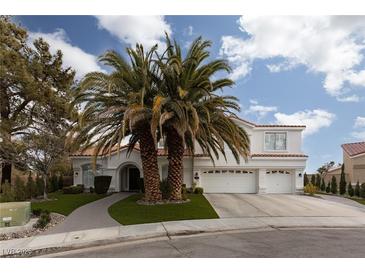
275,141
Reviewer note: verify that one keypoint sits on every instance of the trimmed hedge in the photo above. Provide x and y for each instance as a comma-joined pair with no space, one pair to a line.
199,190
73,189
102,184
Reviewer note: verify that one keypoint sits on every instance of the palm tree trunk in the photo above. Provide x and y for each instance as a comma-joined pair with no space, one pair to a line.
150,167
175,146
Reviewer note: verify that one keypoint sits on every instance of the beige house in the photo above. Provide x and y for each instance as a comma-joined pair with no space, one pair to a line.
354,160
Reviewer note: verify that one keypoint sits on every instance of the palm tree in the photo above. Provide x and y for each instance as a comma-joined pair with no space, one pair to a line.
117,105
187,109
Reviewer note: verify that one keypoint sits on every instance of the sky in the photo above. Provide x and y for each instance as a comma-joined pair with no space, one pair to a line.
287,69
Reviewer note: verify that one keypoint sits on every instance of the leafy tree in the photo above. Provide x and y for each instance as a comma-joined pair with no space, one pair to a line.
328,188
188,109
323,185
334,185
117,105
350,190
306,180
323,170
343,180
357,189
29,78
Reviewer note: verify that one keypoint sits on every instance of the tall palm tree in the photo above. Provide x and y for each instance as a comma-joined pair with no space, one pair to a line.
188,110
117,105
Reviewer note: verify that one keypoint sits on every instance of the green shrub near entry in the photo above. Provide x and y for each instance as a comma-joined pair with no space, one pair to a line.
328,188
165,189
362,190
91,190
73,189
310,189
37,211
350,190
357,189
199,190
102,183
44,219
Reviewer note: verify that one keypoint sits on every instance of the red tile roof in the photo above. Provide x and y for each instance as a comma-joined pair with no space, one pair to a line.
353,149
275,155
262,125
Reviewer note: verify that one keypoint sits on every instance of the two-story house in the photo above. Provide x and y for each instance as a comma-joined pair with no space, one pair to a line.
276,165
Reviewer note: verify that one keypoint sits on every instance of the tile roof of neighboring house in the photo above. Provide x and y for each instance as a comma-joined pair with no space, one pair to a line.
278,155
262,125
353,149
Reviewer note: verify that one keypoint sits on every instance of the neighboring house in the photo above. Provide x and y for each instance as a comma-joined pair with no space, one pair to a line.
335,171
354,160
276,165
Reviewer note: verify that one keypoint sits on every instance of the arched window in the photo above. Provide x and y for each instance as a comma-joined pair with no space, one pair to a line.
88,174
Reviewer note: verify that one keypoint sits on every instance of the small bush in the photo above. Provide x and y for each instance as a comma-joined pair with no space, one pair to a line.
184,192
362,190
318,181
44,219
102,184
91,190
328,188
7,194
334,185
54,183
73,189
165,189
37,211
323,185
310,189
350,190
357,189
68,181
199,190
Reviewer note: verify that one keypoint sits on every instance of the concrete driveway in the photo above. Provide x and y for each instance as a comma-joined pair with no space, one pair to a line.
279,205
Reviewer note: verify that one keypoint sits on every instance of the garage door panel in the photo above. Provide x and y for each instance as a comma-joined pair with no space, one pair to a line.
279,181
233,181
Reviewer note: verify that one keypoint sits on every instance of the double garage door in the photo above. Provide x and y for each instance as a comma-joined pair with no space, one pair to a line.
229,181
244,181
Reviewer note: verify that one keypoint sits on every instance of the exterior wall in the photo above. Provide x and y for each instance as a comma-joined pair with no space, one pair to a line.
355,168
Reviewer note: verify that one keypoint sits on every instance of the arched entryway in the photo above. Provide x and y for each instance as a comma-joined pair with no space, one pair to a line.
130,178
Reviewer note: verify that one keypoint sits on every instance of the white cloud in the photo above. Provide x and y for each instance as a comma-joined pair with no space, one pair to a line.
358,135
253,101
73,56
259,110
359,122
314,120
189,31
146,30
352,98
332,45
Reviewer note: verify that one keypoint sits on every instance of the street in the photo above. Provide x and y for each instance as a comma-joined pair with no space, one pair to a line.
274,243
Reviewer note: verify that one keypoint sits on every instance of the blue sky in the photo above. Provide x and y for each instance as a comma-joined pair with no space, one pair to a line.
287,69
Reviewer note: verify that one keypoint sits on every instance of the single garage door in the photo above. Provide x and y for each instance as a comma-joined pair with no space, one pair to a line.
279,181
229,181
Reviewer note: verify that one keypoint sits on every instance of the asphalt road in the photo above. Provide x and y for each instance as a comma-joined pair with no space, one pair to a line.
270,244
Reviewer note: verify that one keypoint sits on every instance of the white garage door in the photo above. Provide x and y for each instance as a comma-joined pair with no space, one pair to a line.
279,181
229,181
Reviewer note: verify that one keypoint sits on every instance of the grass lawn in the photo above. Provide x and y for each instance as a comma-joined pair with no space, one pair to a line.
66,203
128,212
359,200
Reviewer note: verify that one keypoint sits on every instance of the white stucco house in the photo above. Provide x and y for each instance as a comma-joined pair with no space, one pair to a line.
276,165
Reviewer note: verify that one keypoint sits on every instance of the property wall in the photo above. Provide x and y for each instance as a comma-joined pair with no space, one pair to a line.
359,169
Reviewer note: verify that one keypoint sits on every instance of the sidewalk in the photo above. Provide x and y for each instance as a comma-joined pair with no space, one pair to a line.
78,239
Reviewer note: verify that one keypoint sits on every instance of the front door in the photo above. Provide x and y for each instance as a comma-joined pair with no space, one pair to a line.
133,179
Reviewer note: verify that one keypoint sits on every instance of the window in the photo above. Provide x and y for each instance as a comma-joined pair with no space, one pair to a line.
275,141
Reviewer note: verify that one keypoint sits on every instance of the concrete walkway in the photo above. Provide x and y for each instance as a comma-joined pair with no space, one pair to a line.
90,216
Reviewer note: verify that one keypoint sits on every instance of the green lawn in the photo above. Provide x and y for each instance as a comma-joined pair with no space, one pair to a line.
359,200
128,212
66,203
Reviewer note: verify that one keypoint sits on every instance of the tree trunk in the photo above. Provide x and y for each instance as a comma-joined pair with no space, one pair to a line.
150,167
45,196
175,158
6,173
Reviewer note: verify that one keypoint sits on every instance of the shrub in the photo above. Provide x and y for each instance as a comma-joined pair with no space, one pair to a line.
318,181
357,189
350,190
184,192
199,190
7,194
37,211
44,219
313,180
68,181
102,183
362,190
60,182
328,188
334,185
310,189
19,190
54,183
323,185
91,190
343,181
73,189
165,189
